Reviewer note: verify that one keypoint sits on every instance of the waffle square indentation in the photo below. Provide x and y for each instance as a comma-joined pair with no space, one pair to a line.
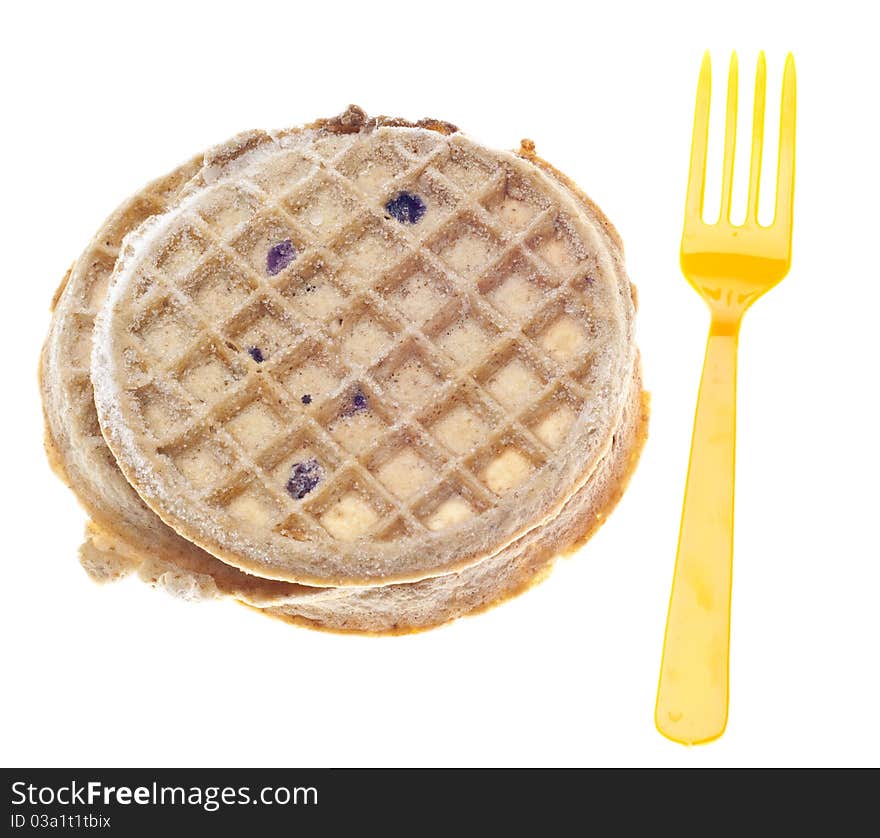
420,293
513,379
310,375
207,376
165,329
284,171
506,470
228,207
464,335
266,327
369,248
448,505
515,203
348,510
557,245
161,409
183,251
403,466
409,376
516,289
462,425
204,462
356,428
255,424
312,291
322,206
468,248
366,338
466,169
254,507
266,232
370,168
551,421
218,288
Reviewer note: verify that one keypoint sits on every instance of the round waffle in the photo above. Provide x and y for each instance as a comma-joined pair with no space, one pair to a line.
365,352
125,534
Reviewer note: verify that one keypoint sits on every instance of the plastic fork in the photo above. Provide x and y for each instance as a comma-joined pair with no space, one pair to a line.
730,267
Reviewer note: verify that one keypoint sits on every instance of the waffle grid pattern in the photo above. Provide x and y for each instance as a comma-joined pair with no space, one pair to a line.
390,473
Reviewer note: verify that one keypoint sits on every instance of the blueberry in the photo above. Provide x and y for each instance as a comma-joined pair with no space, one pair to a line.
358,402
304,477
306,399
407,208
279,257
256,353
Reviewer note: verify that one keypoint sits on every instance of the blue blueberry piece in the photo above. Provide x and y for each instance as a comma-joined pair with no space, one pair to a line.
306,399
256,353
279,257
358,402
304,477
407,208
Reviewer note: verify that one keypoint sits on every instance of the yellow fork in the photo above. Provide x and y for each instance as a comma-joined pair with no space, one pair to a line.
730,267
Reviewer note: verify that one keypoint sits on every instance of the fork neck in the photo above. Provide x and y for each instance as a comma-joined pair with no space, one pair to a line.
725,323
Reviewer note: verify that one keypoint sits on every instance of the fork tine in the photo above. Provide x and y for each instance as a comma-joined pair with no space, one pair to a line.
785,170
697,175
757,138
729,137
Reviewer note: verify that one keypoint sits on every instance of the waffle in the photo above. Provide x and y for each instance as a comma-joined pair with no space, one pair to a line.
365,352
125,535
130,537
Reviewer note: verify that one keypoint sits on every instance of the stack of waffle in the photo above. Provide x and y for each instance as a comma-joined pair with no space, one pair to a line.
365,375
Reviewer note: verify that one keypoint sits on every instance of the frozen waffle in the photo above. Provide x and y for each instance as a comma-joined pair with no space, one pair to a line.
368,352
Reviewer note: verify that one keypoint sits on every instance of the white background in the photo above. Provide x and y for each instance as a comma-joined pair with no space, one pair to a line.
100,98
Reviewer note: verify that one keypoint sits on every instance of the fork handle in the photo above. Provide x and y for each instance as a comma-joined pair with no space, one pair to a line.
693,692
